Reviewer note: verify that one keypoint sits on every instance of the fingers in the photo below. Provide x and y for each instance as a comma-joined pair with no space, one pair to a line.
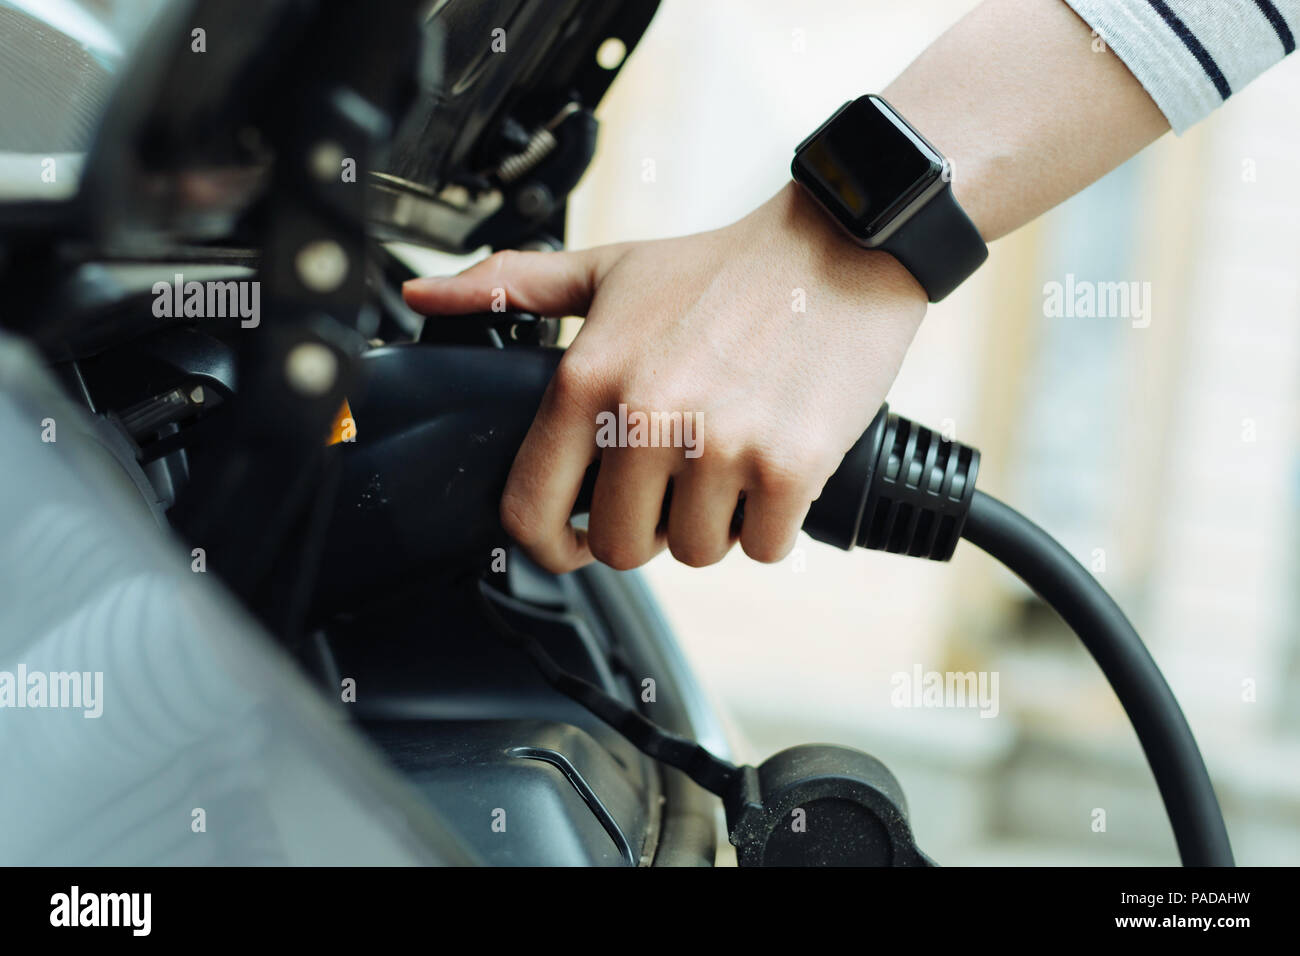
773,515
626,524
627,506
546,477
548,283
627,527
700,516
784,479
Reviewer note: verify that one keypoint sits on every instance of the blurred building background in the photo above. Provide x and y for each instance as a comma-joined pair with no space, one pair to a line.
1163,450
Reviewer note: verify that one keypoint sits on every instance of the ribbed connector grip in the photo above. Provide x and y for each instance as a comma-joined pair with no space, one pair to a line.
920,494
902,488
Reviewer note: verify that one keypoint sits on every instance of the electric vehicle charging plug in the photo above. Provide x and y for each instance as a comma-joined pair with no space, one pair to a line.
901,488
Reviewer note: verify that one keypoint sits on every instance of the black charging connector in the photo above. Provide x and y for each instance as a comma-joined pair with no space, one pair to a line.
901,488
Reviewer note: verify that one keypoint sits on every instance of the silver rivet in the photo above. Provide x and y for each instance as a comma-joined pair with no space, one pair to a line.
326,161
322,265
534,201
611,53
311,368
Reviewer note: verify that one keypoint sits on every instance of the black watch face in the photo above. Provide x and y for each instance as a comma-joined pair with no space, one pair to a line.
867,165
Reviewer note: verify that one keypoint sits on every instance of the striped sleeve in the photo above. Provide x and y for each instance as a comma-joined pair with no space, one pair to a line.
1191,55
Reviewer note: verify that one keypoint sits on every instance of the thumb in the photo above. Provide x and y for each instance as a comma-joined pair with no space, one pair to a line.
548,283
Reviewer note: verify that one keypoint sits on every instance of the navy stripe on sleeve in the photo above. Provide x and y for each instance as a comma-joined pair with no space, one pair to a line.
1274,16
1194,46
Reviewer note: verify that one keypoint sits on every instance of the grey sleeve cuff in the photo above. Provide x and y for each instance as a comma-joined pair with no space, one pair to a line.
1191,55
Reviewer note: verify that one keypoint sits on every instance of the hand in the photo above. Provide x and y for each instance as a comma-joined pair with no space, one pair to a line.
709,326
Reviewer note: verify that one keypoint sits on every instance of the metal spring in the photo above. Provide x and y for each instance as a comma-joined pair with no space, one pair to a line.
539,147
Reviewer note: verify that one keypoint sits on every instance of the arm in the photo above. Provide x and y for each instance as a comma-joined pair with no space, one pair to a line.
1014,94
1029,114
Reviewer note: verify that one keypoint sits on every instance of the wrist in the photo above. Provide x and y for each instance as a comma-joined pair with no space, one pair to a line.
821,239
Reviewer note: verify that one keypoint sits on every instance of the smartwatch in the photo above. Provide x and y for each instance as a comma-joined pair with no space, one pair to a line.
890,189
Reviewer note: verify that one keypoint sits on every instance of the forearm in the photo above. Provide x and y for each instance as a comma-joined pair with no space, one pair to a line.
1015,96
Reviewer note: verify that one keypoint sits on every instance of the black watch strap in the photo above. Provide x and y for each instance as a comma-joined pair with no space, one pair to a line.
939,245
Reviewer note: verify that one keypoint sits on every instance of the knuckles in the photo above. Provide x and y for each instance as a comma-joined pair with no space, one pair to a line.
578,381
793,468
517,518
696,554
501,261
617,554
782,468
766,550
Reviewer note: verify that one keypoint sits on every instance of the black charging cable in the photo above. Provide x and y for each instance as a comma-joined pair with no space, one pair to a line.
1038,560
904,488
